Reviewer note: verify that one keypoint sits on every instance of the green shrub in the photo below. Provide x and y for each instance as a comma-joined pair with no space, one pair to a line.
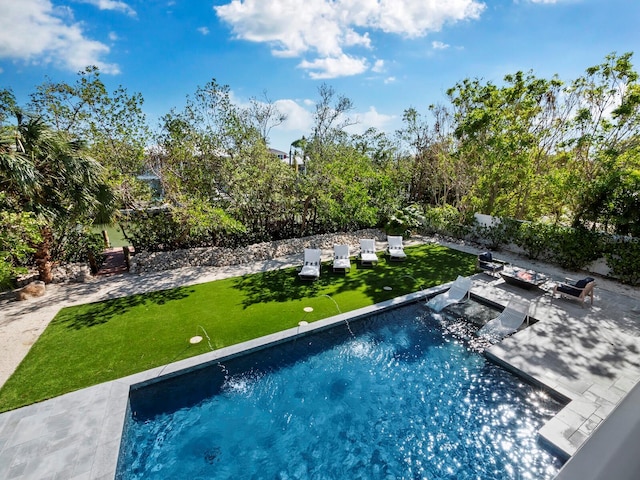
175,228
623,258
445,220
575,248
8,274
498,234
19,231
80,246
405,221
535,238
154,230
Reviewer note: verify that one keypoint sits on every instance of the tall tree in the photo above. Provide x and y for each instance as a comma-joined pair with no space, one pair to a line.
601,138
214,153
505,135
65,185
265,115
330,118
112,125
437,175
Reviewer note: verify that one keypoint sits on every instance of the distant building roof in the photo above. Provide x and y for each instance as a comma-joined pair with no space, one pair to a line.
284,156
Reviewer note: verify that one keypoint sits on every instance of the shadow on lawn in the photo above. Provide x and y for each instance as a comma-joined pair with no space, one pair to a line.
93,314
279,286
426,266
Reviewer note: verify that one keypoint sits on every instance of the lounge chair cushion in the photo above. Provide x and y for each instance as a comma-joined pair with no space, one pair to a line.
584,282
576,289
485,257
569,290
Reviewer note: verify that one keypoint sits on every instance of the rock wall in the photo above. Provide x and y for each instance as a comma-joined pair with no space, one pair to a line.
218,257
72,272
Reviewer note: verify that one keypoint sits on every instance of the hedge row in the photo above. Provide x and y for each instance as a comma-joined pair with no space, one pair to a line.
568,247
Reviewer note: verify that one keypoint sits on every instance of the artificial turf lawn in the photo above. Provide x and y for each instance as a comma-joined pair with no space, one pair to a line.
93,343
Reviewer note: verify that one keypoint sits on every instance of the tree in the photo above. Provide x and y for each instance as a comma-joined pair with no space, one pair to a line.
506,136
330,119
213,154
613,199
264,116
437,175
112,125
66,185
601,142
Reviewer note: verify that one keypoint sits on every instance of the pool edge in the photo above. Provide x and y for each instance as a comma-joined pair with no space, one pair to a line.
107,453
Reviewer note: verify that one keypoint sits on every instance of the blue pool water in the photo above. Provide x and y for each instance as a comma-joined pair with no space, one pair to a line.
399,399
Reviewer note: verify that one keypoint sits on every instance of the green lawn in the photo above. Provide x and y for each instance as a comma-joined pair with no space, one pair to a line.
94,343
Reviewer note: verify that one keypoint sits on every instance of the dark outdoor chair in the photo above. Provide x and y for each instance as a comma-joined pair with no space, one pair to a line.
488,264
579,290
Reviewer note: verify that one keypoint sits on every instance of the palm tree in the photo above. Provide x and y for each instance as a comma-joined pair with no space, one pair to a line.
49,173
298,145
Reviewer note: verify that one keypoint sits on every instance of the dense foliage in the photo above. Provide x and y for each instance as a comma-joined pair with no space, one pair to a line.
560,159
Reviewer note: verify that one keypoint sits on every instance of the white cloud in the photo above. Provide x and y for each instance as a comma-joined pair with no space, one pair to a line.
369,119
111,5
378,67
113,36
332,67
439,45
298,117
203,30
326,28
389,80
31,30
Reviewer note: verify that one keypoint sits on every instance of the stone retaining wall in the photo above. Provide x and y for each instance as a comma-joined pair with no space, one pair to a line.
72,272
217,257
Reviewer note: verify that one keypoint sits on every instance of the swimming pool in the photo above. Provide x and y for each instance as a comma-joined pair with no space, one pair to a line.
392,396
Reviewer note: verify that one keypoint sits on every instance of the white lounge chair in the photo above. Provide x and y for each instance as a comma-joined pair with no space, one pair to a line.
395,248
368,252
458,291
508,321
311,267
341,259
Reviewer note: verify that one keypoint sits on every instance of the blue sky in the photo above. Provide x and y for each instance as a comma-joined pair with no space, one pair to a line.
385,55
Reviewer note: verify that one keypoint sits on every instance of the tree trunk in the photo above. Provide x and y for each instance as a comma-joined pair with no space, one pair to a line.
43,255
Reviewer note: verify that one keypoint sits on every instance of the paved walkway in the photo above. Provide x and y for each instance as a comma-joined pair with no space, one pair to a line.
114,262
591,356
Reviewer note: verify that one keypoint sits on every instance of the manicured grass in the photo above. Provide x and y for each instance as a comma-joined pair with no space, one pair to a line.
94,343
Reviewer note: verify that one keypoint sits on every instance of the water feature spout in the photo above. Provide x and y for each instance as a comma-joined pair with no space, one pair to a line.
418,282
336,303
339,311
206,335
196,339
